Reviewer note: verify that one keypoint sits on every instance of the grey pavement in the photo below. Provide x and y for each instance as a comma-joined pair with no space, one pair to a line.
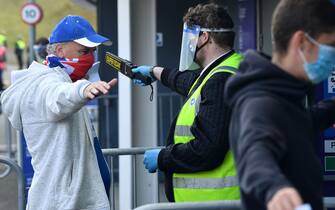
8,184
8,191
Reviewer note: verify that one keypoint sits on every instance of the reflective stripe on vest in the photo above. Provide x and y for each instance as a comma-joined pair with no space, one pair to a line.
182,130
205,183
219,183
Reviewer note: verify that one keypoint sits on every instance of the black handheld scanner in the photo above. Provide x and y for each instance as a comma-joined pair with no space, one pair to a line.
125,67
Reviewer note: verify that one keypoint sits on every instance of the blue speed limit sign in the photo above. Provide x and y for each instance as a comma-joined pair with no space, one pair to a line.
31,13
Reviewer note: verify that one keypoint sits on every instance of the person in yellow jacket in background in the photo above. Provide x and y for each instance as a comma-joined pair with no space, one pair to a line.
3,60
20,46
3,57
3,39
197,161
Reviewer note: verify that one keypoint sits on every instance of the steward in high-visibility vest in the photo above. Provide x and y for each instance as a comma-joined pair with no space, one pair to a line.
217,184
197,162
20,44
3,40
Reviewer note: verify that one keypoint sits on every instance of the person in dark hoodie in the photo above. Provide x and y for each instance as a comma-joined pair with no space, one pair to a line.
272,129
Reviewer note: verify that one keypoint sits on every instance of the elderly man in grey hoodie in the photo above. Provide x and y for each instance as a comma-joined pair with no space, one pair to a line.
46,102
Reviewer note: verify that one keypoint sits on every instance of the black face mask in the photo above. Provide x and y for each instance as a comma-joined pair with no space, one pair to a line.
197,49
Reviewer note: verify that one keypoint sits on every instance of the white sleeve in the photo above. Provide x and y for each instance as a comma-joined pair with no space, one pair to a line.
64,98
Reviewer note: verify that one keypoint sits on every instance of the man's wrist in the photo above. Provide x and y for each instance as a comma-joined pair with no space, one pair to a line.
152,73
83,85
156,72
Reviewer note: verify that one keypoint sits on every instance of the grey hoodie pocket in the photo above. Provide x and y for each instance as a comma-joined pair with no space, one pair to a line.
72,175
69,177
65,194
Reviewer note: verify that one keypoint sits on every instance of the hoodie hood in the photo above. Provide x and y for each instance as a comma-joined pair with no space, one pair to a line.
12,97
258,73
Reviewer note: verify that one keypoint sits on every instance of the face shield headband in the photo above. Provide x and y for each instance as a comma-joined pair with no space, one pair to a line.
189,44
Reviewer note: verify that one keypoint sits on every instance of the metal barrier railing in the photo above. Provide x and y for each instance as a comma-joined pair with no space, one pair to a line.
123,151
20,178
329,202
213,205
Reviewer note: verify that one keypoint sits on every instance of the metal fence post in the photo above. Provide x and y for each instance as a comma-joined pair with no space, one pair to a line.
112,187
106,104
133,163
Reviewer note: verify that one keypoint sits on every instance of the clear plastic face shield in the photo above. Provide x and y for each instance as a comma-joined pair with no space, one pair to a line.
189,45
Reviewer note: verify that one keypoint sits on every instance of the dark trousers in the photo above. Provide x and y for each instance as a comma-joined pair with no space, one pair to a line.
1,82
19,60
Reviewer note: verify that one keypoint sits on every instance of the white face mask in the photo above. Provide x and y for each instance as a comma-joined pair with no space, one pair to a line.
189,45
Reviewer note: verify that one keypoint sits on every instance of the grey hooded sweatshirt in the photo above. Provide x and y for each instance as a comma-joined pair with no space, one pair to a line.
49,109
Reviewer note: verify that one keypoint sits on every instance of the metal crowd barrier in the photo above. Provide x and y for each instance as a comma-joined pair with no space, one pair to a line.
329,202
20,178
213,205
123,151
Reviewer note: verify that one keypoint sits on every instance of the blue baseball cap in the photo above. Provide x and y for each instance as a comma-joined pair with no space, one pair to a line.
77,29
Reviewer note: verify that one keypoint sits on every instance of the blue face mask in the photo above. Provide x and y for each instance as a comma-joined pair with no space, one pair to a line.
323,66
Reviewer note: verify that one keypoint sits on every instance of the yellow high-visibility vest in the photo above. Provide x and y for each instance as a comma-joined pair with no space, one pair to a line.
217,184
3,39
21,44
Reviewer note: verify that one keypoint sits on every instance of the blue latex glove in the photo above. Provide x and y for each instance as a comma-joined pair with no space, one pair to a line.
145,71
150,160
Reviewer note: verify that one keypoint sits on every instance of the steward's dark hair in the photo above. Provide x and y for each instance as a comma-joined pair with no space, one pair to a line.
212,16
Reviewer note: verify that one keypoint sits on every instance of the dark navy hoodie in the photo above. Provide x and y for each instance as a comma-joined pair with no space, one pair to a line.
273,133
